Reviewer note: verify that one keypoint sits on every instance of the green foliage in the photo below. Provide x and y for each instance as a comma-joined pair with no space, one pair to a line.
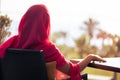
81,41
4,26
68,52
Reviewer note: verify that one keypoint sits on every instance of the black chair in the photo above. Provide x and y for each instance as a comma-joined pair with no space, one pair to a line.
84,76
23,64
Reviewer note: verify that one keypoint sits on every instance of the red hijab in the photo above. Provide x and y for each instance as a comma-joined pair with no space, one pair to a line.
33,31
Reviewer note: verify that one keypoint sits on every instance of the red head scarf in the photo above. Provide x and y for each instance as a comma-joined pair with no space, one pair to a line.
34,28
33,31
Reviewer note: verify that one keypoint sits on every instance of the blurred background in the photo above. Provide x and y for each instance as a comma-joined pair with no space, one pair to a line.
78,27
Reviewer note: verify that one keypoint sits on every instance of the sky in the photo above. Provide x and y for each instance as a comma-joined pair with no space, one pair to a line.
69,15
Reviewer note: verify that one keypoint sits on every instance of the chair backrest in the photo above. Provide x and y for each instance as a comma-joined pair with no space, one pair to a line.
23,64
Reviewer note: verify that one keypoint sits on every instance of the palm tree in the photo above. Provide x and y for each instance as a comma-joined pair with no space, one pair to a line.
103,35
90,25
57,35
